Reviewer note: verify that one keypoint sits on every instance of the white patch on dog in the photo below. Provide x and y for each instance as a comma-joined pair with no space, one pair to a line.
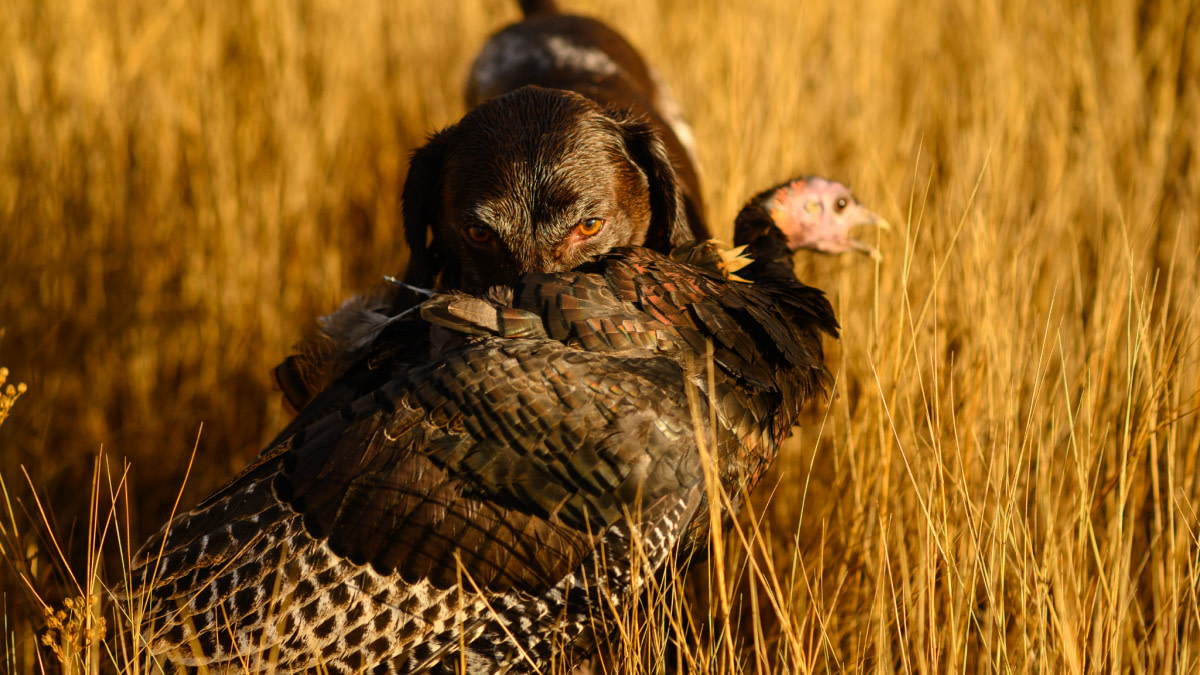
570,56
509,56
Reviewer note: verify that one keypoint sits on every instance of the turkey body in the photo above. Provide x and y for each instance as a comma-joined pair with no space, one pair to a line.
493,476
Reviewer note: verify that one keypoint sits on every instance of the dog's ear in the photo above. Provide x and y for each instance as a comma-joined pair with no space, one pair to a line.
668,212
422,204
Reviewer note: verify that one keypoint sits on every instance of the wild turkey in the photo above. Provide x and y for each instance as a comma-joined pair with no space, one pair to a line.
817,215
468,494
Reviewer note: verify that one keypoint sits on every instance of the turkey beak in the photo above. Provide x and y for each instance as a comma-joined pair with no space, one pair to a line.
863,217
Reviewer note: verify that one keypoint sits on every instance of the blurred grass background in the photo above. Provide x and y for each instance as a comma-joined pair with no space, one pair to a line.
1007,480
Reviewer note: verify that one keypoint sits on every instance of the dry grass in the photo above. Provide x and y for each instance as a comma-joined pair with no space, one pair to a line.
1008,479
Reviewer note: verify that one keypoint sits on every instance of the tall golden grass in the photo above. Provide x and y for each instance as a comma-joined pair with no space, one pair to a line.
1007,480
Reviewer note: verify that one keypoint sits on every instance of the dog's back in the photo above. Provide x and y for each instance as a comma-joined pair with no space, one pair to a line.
580,54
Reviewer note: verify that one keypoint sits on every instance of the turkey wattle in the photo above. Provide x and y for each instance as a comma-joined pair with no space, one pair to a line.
493,474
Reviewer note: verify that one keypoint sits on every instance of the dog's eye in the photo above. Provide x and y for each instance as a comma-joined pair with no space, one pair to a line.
590,227
479,234
841,204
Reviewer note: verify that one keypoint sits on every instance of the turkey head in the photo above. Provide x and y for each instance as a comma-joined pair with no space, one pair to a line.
810,213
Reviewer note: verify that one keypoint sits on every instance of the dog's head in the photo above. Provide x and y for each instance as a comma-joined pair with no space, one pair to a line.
536,180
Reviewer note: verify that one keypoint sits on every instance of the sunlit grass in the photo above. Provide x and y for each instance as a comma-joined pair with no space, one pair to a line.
1007,477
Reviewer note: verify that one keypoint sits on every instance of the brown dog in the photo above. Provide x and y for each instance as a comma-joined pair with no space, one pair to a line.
567,153
571,150
563,51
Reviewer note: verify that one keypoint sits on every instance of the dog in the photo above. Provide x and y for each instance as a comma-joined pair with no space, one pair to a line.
580,54
571,148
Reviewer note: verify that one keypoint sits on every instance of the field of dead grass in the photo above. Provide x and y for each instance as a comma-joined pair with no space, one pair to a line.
1007,480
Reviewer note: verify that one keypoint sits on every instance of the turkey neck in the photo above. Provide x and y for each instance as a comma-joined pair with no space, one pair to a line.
765,243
